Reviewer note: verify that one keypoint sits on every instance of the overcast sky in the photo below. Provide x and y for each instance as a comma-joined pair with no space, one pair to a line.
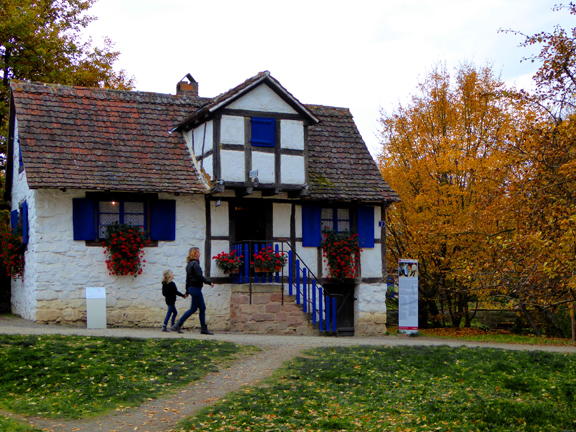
357,54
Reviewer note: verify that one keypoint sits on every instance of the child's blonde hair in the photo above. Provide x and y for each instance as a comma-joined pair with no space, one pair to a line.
167,276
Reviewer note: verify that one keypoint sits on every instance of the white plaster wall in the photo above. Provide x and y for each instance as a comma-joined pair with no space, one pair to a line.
292,134
309,255
24,289
264,163
218,246
219,218
298,217
232,130
262,98
370,309
371,262
66,267
207,166
281,220
233,165
292,169
203,134
217,301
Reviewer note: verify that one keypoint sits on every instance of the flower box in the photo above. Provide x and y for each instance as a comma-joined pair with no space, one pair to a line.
232,271
267,260
229,262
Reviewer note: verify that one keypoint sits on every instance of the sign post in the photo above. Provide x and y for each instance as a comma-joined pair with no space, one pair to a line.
407,296
96,308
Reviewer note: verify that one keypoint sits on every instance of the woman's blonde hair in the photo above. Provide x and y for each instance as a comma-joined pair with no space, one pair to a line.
192,253
167,276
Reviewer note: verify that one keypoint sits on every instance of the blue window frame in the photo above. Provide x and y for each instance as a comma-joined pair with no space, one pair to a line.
19,218
20,160
337,219
315,219
124,212
263,132
91,216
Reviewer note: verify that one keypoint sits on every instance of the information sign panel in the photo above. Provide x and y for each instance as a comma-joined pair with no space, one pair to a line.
408,296
96,307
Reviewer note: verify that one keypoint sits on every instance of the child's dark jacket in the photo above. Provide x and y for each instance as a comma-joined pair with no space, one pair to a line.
170,291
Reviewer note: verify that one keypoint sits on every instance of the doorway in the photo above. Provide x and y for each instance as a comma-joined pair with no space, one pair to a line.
251,220
344,295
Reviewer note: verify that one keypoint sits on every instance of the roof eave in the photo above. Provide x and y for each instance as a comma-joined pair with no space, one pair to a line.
264,78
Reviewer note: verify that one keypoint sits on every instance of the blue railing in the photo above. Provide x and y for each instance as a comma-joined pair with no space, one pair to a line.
315,300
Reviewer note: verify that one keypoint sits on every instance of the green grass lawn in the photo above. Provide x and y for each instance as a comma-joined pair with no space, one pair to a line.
74,377
9,425
331,389
406,389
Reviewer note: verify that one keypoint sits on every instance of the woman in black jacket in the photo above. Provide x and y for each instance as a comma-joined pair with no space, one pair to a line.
169,291
194,282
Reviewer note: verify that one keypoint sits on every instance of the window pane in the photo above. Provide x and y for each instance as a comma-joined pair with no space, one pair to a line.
134,219
134,207
343,214
109,207
107,219
343,226
326,225
327,213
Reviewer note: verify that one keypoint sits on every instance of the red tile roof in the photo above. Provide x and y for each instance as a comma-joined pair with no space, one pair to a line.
80,138
339,163
73,137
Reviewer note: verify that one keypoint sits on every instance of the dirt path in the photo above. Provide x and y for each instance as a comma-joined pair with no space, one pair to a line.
161,415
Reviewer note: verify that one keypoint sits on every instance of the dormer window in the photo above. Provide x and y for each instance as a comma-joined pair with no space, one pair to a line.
263,132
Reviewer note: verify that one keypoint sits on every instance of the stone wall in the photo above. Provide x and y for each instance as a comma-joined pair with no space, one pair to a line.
58,269
265,313
370,310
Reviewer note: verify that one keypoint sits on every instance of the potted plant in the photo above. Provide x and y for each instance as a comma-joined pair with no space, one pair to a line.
342,253
229,262
124,246
268,260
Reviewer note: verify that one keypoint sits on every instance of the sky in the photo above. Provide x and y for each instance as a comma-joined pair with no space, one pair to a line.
363,55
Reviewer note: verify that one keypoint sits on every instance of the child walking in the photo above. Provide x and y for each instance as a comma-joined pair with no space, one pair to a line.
169,291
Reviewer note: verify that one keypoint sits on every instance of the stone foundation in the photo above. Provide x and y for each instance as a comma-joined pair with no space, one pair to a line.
371,324
266,313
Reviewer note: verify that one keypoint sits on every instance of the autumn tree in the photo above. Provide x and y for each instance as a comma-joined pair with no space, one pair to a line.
536,269
41,40
441,154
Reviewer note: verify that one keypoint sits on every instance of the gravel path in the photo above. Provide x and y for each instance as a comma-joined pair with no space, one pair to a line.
161,415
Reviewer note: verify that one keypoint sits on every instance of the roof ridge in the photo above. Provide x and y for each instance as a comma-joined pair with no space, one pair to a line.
63,90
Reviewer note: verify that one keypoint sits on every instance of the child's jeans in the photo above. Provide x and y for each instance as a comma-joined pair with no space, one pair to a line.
171,312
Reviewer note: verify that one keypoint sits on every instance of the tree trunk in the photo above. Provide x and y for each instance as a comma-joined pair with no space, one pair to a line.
573,322
531,321
559,331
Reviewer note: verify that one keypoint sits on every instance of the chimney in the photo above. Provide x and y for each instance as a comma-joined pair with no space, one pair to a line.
189,88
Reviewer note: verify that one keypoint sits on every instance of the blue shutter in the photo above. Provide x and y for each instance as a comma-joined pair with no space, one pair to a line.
14,220
163,220
366,227
84,218
263,132
311,235
25,222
